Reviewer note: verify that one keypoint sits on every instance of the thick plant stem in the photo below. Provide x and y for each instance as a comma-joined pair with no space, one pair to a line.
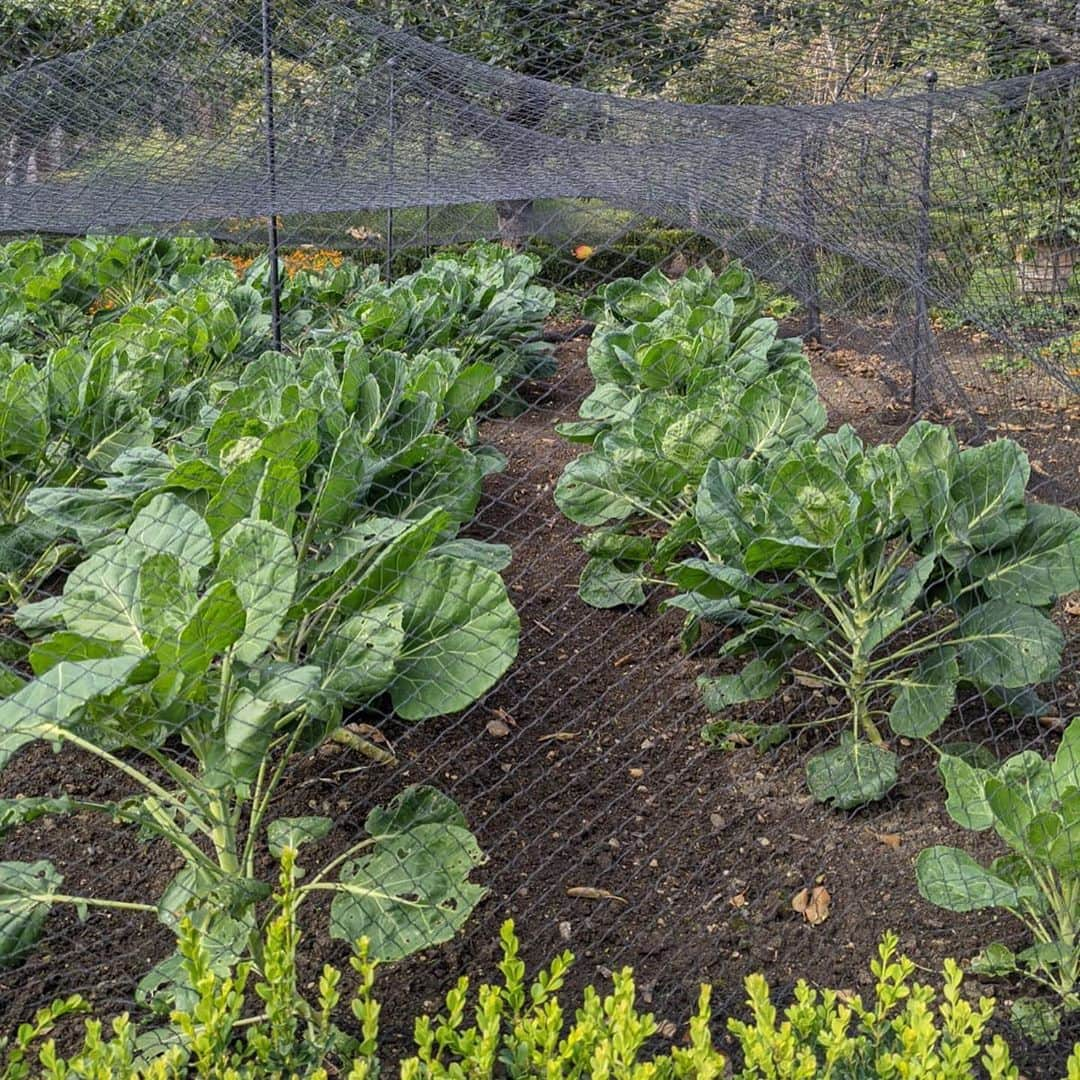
859,696
224,838
223,831
88,901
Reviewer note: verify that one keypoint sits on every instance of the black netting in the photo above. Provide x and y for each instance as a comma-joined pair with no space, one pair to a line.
635,482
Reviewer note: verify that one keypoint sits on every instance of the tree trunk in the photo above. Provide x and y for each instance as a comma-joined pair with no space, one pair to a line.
515,218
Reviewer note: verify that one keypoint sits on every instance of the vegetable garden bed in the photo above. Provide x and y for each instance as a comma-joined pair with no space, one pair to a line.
607,824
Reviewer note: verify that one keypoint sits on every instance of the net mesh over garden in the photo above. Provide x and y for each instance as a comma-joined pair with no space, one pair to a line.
656,527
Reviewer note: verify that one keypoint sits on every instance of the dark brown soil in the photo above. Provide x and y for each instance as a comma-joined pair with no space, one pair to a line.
598,779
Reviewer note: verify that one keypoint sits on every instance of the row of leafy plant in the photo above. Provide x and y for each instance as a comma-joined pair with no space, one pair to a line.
891,576
242,550
117,344
892,572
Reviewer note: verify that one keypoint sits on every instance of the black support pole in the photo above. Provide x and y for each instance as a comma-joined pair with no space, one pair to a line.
429,153
391,135
923,344
808,250
271,174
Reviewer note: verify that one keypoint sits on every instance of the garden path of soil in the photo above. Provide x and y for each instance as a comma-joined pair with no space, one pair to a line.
592,774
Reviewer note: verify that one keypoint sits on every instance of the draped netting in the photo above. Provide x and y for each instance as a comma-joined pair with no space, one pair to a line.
911,182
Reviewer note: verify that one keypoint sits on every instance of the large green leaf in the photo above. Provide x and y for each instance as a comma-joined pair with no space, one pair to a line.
852,774
461,634
165,524
251,724
259,560
810,499
604,585
753,343
896,600
609,402
918,486
1015,807
236,496
415,805
165,596
694,437
377,578
344,483
473,385
789,553
1004,643
664,363
1038,565
24,413
1066,765
777,410
53,699
925,695
952,879
65,645
587,491
102,594
412,890
25,891
433,473
720,514
493,556
647,480
1064,847
100,597
988,489
215,625
759,679
966,786
359,657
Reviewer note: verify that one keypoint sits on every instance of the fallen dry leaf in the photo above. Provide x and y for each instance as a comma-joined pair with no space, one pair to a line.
812,904
497,729
590,892
738,900
809,681
889,839
636,774
559,736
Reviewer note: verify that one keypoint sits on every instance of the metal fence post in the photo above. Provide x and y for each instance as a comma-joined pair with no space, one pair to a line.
808,250
271,174
923,346
391,134
429,153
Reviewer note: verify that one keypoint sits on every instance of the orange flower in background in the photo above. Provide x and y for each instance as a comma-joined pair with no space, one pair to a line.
240,263
583,251
314,259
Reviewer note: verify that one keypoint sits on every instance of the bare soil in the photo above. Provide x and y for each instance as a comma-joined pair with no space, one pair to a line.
594,775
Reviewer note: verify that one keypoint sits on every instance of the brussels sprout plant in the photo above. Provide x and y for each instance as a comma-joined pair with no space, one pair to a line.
1033,804
891,573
